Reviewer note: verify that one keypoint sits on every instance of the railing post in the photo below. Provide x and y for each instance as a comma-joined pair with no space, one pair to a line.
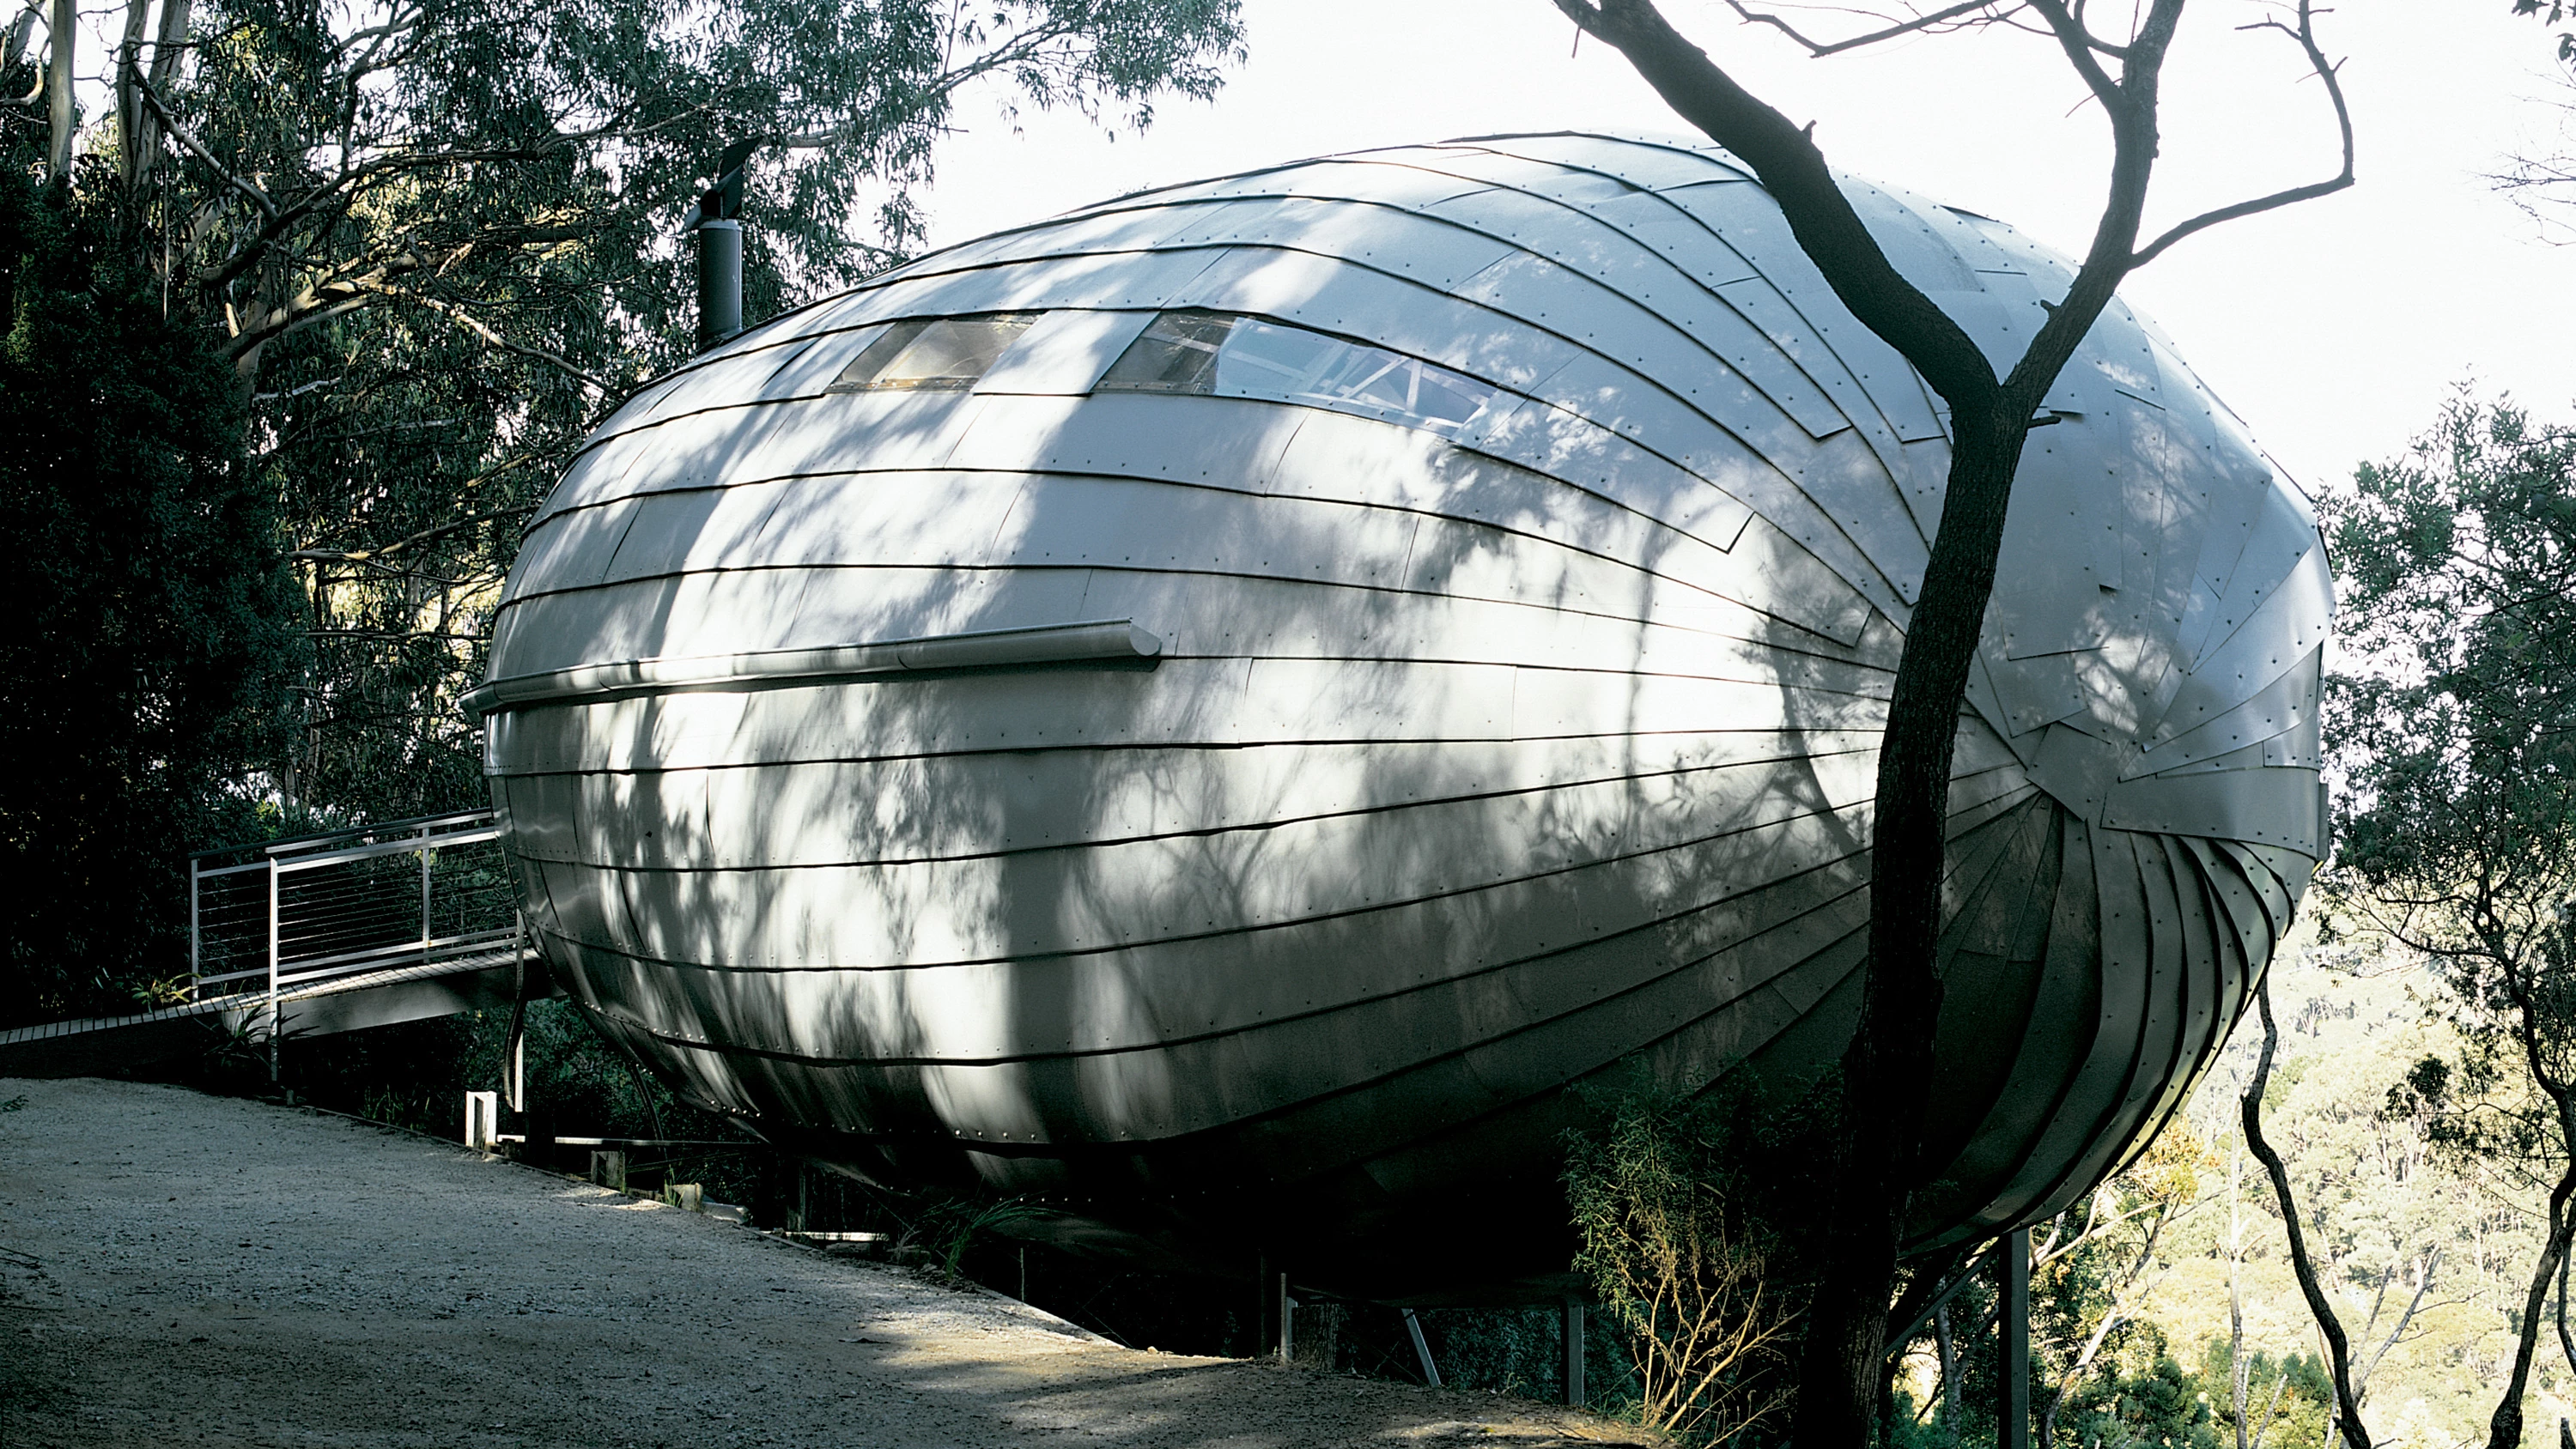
196,936
272,968
424,895
482,1122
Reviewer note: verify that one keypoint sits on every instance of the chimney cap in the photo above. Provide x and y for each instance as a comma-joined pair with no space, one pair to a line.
722,200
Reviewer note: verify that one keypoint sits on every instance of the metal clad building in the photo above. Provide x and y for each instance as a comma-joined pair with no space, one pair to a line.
1221,705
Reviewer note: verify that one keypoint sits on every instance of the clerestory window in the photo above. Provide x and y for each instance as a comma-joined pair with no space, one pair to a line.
1222,354
933,353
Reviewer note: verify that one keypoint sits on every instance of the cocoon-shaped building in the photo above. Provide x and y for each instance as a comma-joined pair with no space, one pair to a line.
1217,709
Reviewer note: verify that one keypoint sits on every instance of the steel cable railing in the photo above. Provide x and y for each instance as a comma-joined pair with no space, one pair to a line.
283,916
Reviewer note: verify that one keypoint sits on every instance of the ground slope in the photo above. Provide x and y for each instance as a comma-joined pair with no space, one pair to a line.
179,1269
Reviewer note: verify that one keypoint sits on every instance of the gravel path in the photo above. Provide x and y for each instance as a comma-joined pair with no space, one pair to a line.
179,1269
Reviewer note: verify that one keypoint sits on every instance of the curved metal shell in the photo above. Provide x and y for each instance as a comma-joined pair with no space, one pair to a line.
1224,704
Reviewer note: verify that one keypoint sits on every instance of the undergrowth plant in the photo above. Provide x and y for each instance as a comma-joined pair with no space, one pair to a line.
1683,1263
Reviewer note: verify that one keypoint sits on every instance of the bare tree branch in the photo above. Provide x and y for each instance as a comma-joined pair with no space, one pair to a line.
1917,24
2078,45
2424,1269
1791,168
2305,34
179,133
470,323
363,555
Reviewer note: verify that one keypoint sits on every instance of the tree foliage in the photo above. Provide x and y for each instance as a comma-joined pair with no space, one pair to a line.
436,240
2453,719
2551,13
1684,1262
143,672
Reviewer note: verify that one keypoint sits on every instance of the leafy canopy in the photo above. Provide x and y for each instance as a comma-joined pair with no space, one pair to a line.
437,241
144,668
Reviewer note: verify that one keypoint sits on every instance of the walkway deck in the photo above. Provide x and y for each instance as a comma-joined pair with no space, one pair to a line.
318,934
86,1047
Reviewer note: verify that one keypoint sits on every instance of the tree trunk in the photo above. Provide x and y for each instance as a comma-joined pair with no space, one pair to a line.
2504,1431
1871,1159
1929,1276
1890,1057
59,37
129,96
2566,1344
1949,1371
2236,1363
2338,1351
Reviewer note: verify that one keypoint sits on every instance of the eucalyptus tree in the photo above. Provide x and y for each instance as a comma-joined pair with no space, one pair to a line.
2453,718
2552,13
436,239
1877,1145
148,650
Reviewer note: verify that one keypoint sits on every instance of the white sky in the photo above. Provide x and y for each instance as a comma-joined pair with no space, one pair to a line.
2335,328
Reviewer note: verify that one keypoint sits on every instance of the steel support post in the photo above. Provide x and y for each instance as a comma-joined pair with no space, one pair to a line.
1287,1322
1574,1350
514,1070
1422,1349
2014,1430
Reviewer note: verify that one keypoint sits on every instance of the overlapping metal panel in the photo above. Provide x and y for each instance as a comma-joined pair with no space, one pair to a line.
1464,759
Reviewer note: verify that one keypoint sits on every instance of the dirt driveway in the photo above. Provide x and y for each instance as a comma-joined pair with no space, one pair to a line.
179,1269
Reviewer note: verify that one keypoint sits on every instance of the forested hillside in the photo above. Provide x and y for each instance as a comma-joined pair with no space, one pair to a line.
2141,1332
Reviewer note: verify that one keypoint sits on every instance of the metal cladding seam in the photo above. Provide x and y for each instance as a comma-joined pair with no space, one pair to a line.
1481,755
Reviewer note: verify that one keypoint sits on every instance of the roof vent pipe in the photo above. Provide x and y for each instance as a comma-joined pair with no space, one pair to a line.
719,281
716,220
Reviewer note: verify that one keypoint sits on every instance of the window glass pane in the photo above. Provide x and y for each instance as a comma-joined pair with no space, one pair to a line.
933,353
1176,354
1228,356
1264,359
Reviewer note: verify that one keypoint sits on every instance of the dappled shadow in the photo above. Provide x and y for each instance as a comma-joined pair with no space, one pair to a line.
1472,765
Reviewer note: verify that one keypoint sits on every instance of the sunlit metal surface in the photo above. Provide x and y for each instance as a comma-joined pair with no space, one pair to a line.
1525,537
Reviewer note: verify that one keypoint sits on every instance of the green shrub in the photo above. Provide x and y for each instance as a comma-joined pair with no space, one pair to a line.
1683,1263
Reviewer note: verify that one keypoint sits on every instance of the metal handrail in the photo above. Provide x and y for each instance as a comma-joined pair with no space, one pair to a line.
318,908
294,842
397,846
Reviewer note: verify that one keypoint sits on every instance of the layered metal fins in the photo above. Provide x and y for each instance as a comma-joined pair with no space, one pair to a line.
1424,756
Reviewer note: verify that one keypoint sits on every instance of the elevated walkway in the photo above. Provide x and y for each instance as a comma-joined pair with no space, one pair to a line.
315,935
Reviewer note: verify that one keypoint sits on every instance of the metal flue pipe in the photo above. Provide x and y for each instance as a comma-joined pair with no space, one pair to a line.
716,220
719,281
